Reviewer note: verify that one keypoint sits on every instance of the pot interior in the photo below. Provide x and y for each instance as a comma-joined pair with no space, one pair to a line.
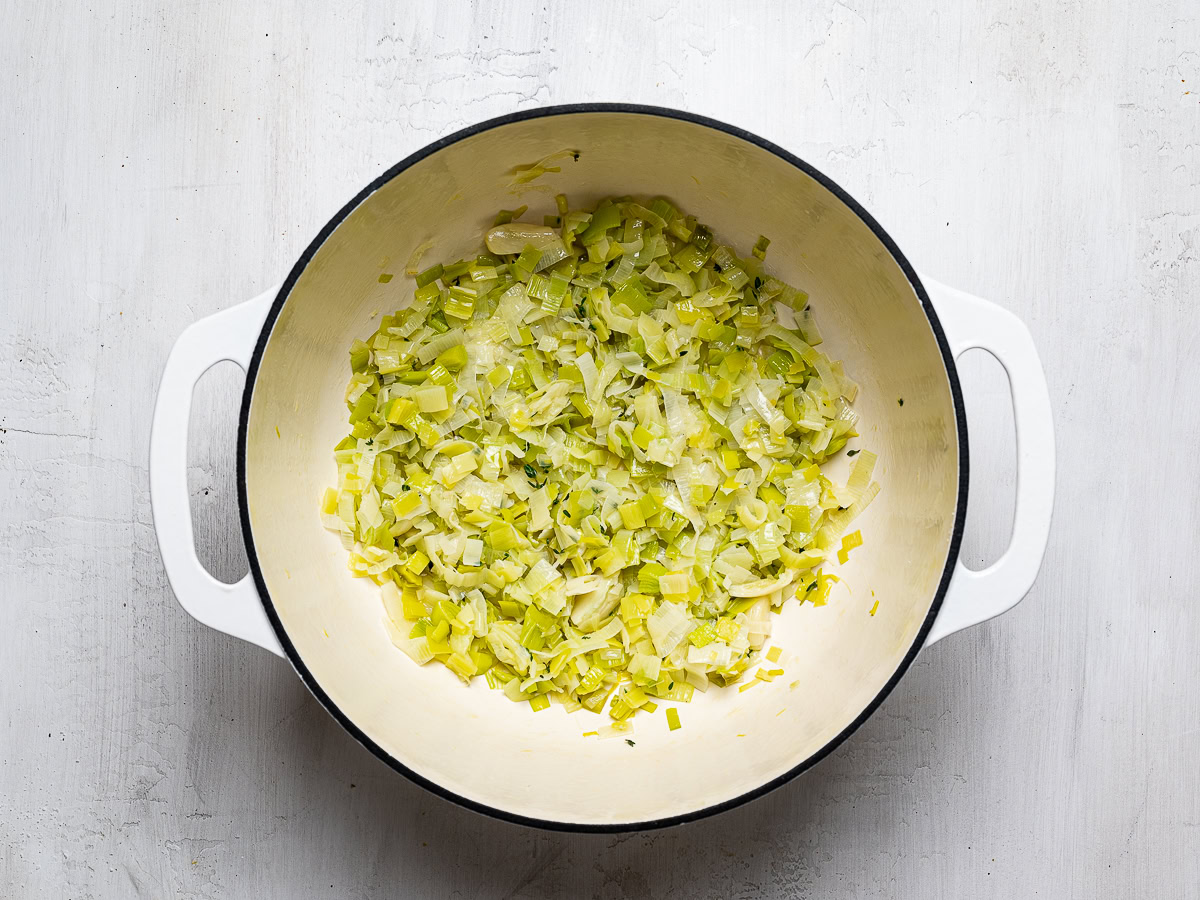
474,742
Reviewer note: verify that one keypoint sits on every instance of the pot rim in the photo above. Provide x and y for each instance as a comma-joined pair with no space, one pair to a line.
573,109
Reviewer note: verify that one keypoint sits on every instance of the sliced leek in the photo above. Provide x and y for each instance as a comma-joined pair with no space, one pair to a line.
587,463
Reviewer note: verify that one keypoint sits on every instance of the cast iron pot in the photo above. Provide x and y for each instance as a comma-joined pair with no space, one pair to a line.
899,335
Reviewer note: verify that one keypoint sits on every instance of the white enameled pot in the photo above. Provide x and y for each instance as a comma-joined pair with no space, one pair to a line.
898,334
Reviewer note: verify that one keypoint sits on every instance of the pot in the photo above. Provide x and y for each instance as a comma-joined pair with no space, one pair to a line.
898,333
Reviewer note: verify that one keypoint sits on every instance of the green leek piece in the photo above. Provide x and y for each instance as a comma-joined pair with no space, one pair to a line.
429,276
453,359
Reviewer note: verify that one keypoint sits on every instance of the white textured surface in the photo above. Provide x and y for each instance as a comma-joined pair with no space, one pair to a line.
163,162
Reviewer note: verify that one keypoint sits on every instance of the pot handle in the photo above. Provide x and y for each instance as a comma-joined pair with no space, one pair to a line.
976,596
232,608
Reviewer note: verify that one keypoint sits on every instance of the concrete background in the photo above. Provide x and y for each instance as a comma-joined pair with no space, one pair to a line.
162,161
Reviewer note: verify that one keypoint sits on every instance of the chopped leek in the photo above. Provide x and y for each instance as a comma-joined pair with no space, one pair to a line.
586,464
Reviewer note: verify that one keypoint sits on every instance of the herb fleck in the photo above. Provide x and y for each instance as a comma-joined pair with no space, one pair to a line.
851,452
901,401
629,742
529,471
